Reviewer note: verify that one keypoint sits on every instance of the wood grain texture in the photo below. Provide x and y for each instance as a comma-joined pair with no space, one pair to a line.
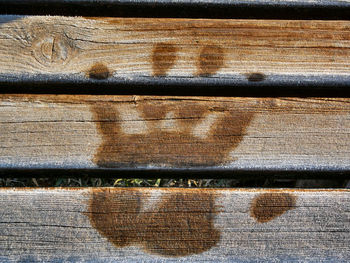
140,132
174,225
174,51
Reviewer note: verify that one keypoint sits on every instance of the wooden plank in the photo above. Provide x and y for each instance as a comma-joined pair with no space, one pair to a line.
145,132
173,51
174,225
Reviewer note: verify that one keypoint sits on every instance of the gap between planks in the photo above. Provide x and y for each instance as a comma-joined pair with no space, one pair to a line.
258,9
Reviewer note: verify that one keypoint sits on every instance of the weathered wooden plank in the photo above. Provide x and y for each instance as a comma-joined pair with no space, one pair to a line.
174,51
174,225
145,132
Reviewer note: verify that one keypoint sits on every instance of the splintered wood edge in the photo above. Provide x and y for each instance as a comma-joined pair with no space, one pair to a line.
145,132
173,51
174,224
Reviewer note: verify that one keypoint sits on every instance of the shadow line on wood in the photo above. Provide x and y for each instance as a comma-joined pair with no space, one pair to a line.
325,10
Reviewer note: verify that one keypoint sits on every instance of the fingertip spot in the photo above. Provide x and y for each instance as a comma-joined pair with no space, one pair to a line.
99,71
211,59
256,77
268,206
163,58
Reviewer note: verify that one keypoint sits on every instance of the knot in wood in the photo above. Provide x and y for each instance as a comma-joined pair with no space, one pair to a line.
54,50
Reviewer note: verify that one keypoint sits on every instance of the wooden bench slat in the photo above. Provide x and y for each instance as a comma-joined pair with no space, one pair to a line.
145,132
173,225
173,51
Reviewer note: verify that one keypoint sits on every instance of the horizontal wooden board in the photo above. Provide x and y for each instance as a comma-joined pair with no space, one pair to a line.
174,225
145,132
173,51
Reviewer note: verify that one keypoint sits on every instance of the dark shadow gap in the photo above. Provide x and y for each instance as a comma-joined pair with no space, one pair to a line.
105,88
202,173
86,181
326,10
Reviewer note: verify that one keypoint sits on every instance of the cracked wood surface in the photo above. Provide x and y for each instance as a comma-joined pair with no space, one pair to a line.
174,225
177,51
145,132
